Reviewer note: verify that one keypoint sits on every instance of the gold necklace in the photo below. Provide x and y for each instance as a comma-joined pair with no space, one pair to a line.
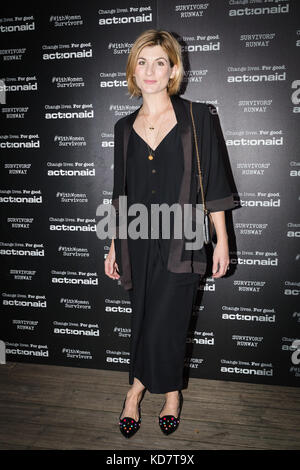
151,152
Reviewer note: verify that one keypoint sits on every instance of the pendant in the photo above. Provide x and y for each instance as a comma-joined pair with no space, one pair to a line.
150,157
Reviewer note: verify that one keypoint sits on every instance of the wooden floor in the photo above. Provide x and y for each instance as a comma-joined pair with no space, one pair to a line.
53,407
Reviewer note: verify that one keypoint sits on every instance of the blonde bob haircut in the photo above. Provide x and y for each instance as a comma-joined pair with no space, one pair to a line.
155,37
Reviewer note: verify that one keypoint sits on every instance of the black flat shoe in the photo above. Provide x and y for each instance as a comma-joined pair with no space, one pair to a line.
129,426
169,423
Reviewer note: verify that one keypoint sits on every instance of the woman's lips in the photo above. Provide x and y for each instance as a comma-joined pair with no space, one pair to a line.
150,81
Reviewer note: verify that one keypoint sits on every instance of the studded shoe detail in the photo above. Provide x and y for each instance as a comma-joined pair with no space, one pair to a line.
169,423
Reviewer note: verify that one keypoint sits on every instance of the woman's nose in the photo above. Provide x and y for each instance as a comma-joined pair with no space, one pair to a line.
149,69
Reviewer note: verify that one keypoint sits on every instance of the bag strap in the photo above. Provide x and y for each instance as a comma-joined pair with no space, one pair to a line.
198,159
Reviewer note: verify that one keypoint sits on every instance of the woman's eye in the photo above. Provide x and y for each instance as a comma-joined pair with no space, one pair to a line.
142,62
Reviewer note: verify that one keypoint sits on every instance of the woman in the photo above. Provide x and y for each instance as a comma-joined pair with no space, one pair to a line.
155,163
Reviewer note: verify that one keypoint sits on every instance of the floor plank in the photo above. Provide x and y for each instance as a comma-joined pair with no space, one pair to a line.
55,407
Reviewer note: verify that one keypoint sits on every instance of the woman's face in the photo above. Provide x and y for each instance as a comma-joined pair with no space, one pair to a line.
153,70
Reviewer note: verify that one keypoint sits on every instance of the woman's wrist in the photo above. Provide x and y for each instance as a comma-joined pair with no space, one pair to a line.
222,240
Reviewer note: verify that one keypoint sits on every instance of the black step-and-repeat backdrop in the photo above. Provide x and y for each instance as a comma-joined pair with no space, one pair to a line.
63,86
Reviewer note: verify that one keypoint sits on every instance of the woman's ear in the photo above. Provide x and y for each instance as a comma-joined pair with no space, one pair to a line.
174,71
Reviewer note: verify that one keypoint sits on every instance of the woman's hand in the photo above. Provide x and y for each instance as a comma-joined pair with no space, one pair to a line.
220,259
221,251
110,265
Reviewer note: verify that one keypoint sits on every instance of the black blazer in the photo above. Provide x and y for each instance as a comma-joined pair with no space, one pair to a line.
217,192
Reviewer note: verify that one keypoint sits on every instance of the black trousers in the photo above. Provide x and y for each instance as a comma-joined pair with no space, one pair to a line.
162,304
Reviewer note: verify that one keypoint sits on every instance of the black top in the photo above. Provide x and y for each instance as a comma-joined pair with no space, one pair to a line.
217,190
155,181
